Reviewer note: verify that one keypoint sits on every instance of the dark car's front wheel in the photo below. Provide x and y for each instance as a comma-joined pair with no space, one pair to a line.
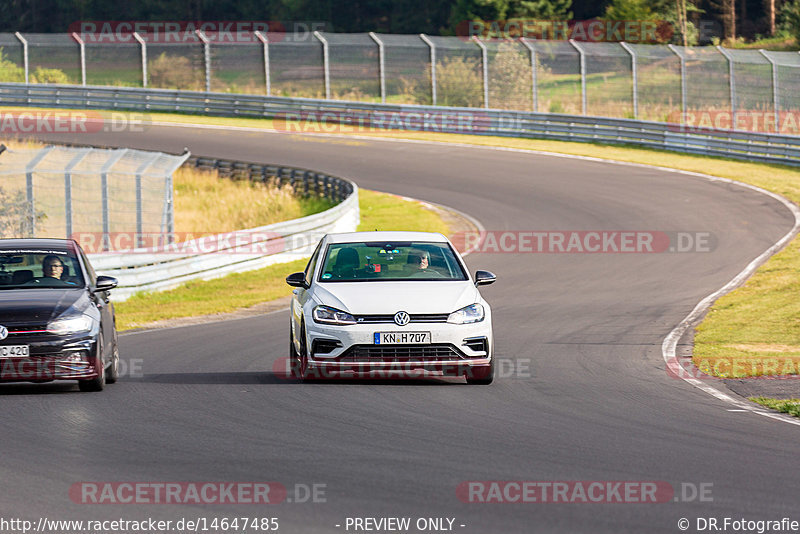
112,371
98,383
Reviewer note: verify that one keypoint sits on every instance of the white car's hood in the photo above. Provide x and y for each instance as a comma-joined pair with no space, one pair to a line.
372,298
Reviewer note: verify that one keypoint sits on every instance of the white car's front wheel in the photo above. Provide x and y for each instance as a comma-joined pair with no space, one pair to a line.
480,374
298,363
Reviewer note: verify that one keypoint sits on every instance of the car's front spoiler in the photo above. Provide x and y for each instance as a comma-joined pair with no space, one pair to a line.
411,369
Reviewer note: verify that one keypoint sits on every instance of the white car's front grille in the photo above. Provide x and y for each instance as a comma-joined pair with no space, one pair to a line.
401,353
415,318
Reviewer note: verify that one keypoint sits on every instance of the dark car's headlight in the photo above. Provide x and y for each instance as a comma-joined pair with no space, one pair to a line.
469,314
328,315
72,324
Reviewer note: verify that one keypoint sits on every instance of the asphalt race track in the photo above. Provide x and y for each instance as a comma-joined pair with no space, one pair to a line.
589,400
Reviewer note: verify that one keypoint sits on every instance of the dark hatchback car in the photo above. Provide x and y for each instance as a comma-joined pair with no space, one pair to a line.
56,320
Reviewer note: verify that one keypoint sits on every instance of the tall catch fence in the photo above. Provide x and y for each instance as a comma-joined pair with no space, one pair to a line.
62,192
751,90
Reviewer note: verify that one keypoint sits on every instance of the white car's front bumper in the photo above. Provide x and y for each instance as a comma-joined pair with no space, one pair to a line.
453,347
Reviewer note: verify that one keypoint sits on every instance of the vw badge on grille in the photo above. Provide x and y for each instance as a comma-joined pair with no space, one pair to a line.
402,318
4,332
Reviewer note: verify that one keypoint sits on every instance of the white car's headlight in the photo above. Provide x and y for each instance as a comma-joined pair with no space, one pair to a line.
328,315
70,325
469,314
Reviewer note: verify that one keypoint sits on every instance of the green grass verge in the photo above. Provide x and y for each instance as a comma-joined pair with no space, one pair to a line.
749,329
380,211
788,406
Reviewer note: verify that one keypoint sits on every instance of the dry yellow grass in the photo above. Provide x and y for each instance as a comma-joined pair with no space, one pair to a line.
207,204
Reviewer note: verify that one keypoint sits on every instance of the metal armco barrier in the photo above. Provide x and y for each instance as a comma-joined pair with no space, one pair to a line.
292,114
204,258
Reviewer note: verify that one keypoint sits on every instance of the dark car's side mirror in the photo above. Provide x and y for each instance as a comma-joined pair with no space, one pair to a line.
484,278
105,283
297,280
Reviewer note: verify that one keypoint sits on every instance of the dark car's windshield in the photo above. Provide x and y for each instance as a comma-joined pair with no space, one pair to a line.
39,269
394,260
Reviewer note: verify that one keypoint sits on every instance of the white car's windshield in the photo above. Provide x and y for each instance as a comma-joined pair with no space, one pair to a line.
39,269
393,260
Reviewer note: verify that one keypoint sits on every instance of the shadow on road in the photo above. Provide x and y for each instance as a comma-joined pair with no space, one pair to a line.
269,377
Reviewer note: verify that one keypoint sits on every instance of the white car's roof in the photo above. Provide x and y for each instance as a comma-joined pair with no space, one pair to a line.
361,237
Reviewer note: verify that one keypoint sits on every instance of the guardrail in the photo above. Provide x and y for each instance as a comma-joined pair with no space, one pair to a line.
358,116
169,265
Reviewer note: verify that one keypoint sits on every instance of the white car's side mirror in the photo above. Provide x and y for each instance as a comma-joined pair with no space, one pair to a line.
297,280
484,278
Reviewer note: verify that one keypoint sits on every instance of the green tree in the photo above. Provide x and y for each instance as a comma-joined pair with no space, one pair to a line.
670,16
465,11
790,19
542,9
629,10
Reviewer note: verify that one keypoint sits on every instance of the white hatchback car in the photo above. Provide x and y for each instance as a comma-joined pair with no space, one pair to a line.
398,303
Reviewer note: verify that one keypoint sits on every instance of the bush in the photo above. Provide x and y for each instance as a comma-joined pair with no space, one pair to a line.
458,83
10,71
174,72
41,75
16,215
510,78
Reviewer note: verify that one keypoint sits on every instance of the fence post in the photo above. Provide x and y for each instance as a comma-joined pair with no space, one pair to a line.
635,77
68,188
144,57
731,83
265,42
24,54
206,56
683,81
139,225
535,90
104,194
775,95
325,63
583,74
381,65
485,70
433,65
29,187
83,57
